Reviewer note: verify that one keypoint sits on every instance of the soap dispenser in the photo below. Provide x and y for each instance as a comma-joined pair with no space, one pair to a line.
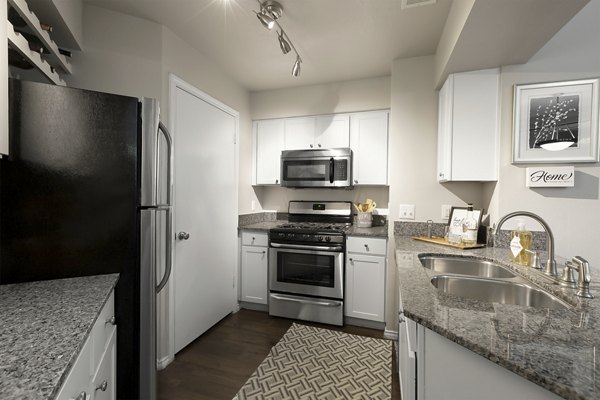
520,244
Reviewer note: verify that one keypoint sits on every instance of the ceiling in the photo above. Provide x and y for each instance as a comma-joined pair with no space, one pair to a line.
337,39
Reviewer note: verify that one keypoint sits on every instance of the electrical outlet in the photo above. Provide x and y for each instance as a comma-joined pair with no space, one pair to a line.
446,211
407,211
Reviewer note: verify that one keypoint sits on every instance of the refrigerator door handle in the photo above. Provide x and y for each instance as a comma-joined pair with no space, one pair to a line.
163,129
168,251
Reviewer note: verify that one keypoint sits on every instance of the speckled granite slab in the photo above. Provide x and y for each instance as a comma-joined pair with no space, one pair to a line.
556,349
375,231
43,327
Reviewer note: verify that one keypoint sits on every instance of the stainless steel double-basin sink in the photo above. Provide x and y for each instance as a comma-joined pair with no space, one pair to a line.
486,281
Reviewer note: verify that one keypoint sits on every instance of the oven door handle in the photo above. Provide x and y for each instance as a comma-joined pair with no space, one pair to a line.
303,247
304,301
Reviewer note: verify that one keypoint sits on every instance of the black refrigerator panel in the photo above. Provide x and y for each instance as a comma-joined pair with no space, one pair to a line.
69,196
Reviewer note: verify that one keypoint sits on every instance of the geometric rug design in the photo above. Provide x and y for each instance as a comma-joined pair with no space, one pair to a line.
314,363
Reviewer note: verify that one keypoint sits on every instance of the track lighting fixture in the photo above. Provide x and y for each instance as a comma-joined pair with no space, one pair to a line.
270,11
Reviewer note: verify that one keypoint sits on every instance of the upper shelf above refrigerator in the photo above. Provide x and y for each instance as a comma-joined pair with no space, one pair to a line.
38,33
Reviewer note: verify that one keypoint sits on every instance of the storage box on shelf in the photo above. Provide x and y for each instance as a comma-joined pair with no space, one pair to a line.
365,278
468,127
254,266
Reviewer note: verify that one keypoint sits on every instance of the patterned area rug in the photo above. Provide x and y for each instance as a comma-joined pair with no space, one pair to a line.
313,363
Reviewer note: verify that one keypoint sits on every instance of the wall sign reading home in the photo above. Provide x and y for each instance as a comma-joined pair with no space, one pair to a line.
556,122
550,177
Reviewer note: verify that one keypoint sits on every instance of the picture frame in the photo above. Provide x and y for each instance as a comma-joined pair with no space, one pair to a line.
457,214
556,110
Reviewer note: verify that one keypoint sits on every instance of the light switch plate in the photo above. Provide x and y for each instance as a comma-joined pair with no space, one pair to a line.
446,211
407,211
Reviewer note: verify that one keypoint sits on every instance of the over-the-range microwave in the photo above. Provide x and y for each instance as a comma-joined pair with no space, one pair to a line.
322,168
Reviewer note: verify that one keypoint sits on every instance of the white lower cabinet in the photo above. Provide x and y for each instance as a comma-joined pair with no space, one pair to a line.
254,266
93,375
432,367
365,278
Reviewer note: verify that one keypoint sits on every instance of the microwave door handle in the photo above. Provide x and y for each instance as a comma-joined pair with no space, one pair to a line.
331,169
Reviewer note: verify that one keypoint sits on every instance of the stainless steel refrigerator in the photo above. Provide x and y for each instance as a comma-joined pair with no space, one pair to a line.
87,190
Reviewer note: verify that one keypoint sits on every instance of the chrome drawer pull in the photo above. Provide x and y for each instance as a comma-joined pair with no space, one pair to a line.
112,320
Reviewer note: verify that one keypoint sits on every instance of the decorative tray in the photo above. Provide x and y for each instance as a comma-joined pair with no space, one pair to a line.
444,242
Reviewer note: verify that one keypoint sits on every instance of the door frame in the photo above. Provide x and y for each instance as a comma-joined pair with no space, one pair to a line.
176,83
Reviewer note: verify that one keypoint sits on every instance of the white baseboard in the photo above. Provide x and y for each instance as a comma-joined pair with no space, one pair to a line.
392,335
164,362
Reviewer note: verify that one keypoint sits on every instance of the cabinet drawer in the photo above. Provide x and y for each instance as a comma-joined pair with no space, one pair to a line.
103,383
102,330
365,245
255,239
78,379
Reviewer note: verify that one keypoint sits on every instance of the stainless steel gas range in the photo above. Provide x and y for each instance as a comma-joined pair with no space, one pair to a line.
306,262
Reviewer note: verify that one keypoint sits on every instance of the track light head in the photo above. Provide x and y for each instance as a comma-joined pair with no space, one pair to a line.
285,46
296,68
265,20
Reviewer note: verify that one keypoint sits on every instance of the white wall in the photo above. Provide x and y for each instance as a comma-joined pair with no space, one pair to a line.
336,97
121,54
572,213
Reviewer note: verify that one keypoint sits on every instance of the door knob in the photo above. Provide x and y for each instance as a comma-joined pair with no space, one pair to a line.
183,236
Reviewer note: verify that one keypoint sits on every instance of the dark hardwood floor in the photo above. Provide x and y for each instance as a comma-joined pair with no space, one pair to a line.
217,364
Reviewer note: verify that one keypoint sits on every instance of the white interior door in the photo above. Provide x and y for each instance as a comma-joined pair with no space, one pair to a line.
206,209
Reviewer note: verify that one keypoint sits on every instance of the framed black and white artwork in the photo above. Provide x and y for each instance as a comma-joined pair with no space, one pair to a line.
560,116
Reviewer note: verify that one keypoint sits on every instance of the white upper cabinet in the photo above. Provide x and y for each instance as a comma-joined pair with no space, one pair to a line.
332,131
268,144
300,133
322,131
369,143
468,127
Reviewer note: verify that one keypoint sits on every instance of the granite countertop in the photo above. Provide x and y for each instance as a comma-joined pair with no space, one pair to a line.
261,226
43,328
552,348
375,231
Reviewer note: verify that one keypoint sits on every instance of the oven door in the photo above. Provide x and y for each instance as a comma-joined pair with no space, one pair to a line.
307,270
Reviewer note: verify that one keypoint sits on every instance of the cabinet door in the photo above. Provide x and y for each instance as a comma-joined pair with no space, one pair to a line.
444,145
369,143
254,274
333,131
365,287
474,126
104,382
268,146
78,380
3,82
300,133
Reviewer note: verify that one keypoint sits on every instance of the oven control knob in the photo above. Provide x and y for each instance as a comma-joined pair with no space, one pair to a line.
281,235
328,239
320,238
290,235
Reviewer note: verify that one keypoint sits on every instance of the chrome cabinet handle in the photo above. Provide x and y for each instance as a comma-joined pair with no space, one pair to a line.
183,236
319,144
103,386
366,247
277,181
80,396
112,320
311,146
264,252
351,260
356,181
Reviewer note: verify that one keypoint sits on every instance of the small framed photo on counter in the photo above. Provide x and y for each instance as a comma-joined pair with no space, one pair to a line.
457,214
